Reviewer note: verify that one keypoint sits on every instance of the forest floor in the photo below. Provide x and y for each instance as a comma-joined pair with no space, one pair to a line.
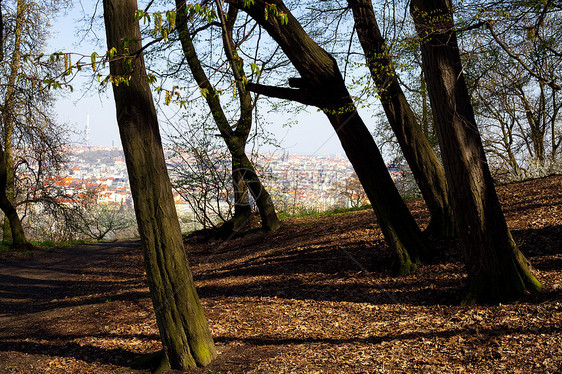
314,297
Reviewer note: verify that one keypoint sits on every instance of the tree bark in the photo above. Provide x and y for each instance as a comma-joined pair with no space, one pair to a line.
425,166
17,233
497,269
242,208
235,139
321,84
263,200
183,328
13,229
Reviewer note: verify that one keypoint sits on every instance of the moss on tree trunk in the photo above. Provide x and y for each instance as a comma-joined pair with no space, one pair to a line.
183,327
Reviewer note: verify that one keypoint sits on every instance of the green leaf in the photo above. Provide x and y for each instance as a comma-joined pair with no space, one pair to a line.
129,64
112,52
171,17
138,15
248,3
93,58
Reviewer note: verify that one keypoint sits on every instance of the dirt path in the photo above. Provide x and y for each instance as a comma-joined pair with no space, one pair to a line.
51,301
42,282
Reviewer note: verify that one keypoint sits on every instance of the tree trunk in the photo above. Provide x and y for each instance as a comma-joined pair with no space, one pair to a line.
183,328
322,85
423,162
242,207
397,224
235,139
17,233
263,200
13,229
497,269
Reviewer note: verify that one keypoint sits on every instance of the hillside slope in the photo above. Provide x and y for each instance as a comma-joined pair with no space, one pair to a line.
314,297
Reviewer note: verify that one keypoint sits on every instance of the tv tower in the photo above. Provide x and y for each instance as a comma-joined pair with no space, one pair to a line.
87,130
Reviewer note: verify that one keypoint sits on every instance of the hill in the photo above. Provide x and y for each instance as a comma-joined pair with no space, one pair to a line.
316,296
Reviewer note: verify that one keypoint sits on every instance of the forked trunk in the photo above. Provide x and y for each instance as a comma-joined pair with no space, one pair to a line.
235,139
269,219
242,208
183,327
497,269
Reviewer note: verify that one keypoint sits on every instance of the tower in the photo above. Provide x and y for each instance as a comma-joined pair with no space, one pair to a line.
87,130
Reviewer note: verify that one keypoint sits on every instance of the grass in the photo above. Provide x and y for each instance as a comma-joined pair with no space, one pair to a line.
327,213
51,244
4,246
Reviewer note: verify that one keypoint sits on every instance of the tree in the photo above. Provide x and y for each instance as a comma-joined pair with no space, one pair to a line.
423,162
98,221
183,327
497,269
321,84
351,191
15,227
203,177
517,111
235,137
31,144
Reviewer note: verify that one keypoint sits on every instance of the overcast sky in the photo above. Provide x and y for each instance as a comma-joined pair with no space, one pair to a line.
312,134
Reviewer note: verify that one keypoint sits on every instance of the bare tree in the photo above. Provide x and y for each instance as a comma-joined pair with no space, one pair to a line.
29,133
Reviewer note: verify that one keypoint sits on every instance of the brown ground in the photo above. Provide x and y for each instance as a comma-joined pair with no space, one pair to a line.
316,297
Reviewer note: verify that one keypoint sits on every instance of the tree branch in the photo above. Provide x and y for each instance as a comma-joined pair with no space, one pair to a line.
283,93
551,83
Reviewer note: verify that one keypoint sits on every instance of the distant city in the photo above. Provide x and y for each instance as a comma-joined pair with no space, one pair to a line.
306,178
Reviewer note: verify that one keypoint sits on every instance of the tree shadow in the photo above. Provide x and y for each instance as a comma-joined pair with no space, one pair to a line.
249,350
24,295
545,241
483,334
75,278
87,353
362,271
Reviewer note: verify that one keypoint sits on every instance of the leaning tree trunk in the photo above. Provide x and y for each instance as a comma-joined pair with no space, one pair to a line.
235,139
183,328
423,162
321,84
497,269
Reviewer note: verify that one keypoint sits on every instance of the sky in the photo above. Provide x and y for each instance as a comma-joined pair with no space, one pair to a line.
310,134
